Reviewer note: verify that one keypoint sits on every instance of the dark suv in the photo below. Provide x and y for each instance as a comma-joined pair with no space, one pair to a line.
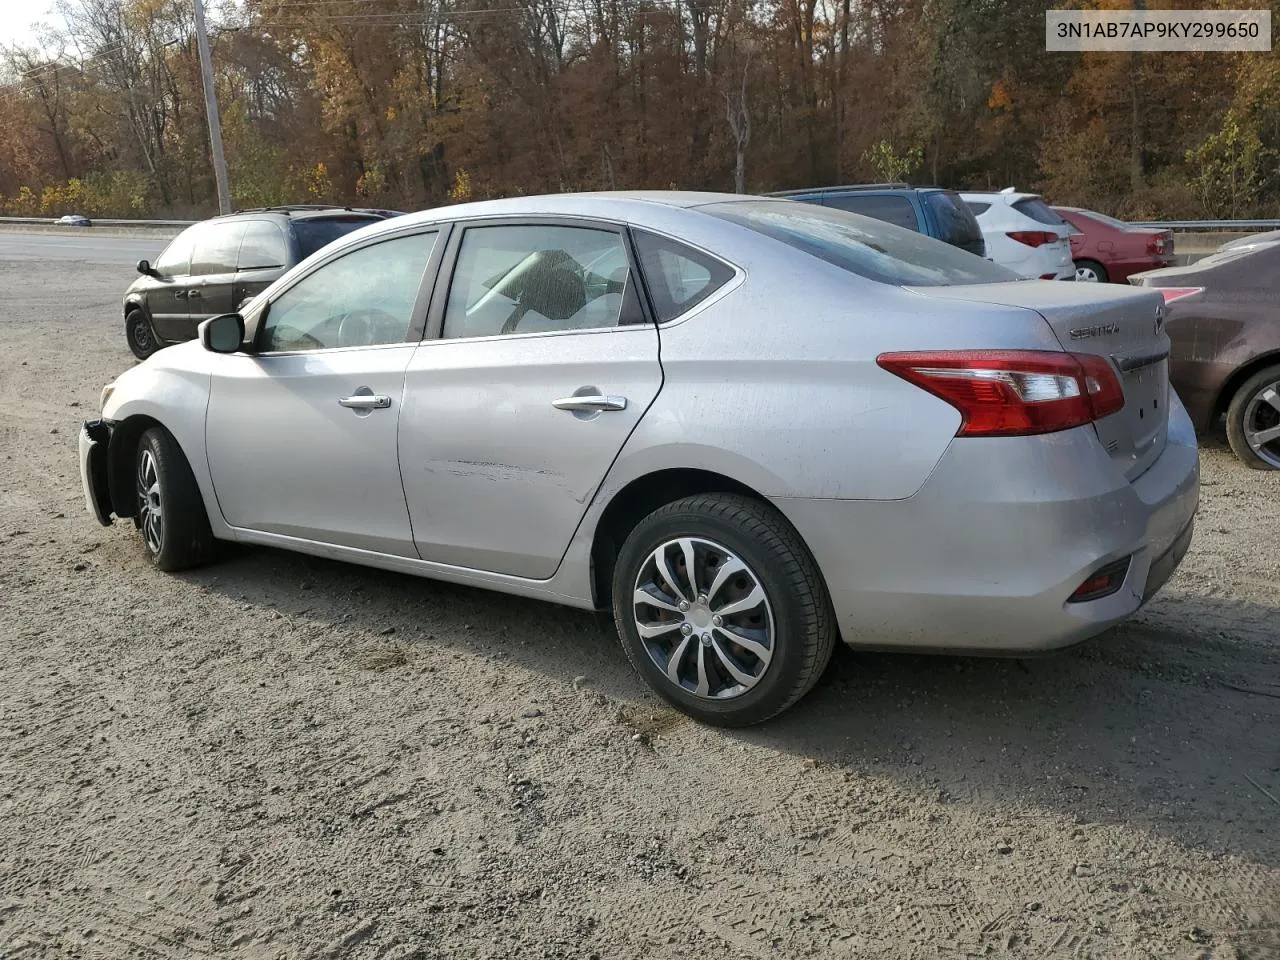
933,211
214,266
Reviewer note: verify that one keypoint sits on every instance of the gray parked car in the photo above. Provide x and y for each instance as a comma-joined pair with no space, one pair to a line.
747,426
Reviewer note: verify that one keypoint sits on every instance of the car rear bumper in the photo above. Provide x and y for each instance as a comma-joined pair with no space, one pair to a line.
94,438
985,556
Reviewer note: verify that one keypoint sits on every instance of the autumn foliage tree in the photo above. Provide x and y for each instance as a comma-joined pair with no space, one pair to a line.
409,103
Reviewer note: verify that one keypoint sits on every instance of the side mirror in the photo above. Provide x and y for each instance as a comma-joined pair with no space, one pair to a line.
144,267
223,334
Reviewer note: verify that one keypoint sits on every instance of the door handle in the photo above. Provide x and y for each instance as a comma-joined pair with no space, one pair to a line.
194,294
590,403
365,401
180,295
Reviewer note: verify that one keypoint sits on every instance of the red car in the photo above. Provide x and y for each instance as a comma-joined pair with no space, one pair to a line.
1108,250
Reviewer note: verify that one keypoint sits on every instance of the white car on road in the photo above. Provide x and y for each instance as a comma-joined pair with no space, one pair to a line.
1024,234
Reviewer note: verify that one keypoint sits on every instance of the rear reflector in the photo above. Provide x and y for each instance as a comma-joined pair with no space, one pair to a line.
1048,276
1033,238
1171,294
1014,393
1102,583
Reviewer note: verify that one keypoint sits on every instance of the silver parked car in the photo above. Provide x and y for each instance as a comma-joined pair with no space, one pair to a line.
749,426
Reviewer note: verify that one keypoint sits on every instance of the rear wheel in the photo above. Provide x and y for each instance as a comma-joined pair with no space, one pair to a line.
171,515
721,609
1253,420
142,339
1090,271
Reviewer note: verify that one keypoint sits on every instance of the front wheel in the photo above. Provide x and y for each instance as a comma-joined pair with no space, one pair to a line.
137,331
171,515
1090,271
721,609
1253,420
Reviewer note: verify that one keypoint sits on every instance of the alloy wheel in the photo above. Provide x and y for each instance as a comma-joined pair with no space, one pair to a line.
1087,275
704,618
150,507
1262,424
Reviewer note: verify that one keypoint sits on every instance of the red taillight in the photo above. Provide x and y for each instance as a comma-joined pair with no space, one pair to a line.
1171,294
1013,393
1156,244
1034,238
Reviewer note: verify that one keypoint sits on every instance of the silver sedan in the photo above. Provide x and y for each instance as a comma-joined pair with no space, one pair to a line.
748,426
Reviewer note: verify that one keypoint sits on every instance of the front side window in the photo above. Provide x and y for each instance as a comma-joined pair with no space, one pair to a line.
217,248
176,259
869,248
679,277
539,279
362,299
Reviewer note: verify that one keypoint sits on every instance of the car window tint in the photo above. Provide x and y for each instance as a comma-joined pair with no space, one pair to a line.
537,279
956,223
678,277
363,298
315,233
868,248
263,246
176,259
977,207
896,210
217,247
1039,211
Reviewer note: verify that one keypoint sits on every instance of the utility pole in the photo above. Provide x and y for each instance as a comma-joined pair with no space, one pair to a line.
211,109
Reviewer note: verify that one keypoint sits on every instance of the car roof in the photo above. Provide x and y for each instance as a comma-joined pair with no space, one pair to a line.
1010,197
860,188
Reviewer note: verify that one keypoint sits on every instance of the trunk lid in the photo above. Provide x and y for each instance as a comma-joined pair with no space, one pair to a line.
1123,324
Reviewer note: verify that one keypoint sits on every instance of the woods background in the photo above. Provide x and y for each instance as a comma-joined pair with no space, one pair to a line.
412,103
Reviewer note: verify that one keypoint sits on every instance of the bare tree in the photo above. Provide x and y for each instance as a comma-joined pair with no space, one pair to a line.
739,117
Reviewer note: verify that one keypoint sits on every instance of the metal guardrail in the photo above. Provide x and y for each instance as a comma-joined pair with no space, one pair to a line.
53,222
1211,226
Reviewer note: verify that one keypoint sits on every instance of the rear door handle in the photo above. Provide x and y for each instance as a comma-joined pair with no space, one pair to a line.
194,294
180,295
366,401
599,402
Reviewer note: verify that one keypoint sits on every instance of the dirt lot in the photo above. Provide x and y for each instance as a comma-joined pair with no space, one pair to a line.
286,757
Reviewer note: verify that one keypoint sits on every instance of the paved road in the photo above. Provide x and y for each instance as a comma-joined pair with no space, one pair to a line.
81,247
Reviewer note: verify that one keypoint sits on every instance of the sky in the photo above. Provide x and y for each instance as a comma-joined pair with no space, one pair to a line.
17,16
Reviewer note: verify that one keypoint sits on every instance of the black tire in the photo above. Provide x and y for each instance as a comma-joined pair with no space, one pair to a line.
1243,415
1098,270
803,622
180,537
139,333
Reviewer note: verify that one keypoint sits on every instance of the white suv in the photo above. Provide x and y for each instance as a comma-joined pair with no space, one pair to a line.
1024,234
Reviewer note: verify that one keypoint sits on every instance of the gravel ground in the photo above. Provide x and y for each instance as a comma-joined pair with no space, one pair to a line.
280,756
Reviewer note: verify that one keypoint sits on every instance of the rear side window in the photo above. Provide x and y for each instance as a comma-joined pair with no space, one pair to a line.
217,248
317,232
956,224
678,277
895,210
1039,211
877,251
977,207
263,247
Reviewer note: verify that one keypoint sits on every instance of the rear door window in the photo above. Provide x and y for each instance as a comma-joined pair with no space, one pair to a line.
956,224
1039,211
263,247
878,251
217,248
314,233
895,210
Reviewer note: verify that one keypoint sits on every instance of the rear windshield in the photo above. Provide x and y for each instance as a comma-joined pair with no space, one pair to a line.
315,232
1039,211
870,248
957,224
